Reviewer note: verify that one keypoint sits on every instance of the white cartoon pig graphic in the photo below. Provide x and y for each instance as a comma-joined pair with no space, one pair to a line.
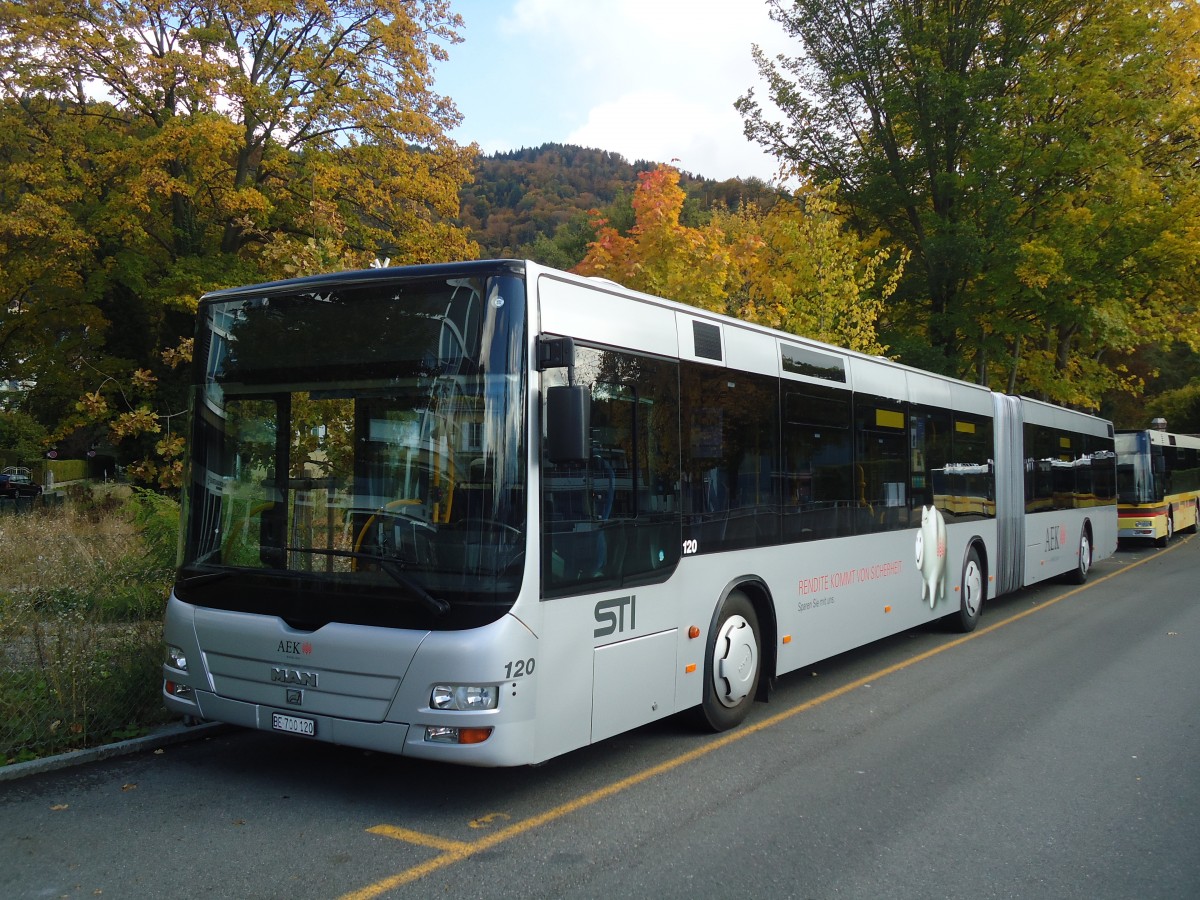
931,555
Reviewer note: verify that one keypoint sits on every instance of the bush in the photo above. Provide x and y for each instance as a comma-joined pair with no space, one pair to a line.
79,684
81,603
84,500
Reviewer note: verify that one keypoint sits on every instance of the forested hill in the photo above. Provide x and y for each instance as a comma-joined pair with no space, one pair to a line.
535,202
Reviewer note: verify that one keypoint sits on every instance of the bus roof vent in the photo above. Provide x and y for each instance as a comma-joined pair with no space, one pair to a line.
708,340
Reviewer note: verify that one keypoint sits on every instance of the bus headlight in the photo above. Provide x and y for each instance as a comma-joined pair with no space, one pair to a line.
176,659
464,696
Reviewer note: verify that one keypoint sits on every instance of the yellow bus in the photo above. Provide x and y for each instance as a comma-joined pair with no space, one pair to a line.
1158,484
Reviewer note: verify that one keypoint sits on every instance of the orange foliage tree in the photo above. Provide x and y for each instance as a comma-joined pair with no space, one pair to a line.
697,266
796,267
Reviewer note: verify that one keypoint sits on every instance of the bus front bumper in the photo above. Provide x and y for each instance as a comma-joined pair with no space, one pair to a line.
501,747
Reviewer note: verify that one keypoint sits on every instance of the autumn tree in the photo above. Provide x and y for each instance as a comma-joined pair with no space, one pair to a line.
659,255
795,267
808,273
153,150
1036,158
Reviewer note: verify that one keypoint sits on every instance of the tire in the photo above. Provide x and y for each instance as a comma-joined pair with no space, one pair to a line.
1084,566
732,664
971,593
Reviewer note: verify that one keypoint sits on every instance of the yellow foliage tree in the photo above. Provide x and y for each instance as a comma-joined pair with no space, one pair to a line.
796,267
810,275
154,149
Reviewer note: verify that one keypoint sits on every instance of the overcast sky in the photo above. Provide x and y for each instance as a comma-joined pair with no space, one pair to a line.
649,79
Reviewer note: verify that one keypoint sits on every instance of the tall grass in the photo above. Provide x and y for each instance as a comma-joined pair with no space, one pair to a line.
82,592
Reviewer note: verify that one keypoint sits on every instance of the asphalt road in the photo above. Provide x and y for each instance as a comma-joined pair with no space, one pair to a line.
1051,754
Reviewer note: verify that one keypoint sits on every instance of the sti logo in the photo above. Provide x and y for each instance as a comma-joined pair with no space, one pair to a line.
294,648
610,615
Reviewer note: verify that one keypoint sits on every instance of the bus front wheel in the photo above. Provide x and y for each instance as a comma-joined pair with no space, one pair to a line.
732,664
970,595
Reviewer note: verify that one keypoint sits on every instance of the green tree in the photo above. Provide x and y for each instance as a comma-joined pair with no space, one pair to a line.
22,439
1036,158
1180,407
1099,256
568,246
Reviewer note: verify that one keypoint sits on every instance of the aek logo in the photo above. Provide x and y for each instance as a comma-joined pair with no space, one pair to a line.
1056,536
294,648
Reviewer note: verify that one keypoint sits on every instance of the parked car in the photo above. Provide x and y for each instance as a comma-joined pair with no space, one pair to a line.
18,485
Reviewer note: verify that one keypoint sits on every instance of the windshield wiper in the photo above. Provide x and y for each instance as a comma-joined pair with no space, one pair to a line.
435,604
202,578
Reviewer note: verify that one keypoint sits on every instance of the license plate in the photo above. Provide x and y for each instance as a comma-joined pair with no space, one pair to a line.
293,724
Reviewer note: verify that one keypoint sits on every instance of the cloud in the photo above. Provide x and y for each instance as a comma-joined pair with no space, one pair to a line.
664,126
652,79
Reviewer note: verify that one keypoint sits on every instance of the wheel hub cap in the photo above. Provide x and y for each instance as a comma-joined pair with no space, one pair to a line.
735,661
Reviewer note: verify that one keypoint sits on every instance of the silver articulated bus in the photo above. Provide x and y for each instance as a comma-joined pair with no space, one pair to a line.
489,512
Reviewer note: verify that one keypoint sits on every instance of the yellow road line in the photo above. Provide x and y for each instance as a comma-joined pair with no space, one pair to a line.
420,838
457,851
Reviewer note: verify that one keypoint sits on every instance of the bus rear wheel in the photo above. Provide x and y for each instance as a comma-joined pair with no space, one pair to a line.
732,664
1084,566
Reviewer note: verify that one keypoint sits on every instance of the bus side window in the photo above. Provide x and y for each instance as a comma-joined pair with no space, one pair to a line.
729,423
816,466
1187,473
929,437
881,466
613,519
971,450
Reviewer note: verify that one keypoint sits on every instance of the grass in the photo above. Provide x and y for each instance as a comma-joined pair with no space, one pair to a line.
82,592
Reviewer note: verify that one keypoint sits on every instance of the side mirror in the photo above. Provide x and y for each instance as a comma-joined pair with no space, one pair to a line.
568,423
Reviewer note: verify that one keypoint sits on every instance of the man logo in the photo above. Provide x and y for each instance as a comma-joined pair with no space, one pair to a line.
293,676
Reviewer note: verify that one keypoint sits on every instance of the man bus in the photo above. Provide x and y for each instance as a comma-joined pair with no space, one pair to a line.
489,512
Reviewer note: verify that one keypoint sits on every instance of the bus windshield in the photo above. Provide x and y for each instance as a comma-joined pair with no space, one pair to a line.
1138,478
358,452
